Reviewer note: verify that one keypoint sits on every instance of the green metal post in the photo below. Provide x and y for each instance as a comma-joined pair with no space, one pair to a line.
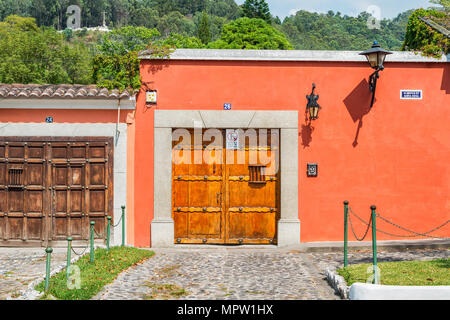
374,245
69,249
47,269
345,232
108,232
92,241
123,226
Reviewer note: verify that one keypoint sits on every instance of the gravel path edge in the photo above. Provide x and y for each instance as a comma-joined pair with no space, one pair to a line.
32,294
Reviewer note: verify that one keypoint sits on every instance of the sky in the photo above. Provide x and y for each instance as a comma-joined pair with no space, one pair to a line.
379,8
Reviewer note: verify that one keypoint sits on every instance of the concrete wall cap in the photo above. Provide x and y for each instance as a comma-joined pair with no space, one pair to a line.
290,55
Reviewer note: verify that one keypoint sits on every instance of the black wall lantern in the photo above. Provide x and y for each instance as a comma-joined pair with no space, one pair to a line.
375,56
312,108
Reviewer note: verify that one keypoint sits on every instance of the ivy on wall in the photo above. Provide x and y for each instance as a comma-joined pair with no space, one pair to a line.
117,65
422,37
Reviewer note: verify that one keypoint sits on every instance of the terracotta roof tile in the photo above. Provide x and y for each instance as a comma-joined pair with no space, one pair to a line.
61,91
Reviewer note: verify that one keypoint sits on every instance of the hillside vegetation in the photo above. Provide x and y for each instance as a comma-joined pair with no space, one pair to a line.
36,46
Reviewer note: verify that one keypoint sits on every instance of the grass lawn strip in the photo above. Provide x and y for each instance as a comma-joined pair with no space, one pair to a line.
94,276
403,273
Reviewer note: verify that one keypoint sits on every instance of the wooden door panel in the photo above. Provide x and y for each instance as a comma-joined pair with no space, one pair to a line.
52,187
197,193
181,194
97,174
35,201
233,202
204,193
3,174
243,193
181,224
16,151
205,224
34,227
76,226
35,174
97,201
251,225
252,183
15,228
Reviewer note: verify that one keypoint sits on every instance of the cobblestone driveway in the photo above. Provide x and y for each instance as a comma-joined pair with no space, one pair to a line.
20,266
222,273
216,273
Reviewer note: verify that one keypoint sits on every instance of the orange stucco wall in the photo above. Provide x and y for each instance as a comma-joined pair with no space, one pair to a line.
62,115
395,155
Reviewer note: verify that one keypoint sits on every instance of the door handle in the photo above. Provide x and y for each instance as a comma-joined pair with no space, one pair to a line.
218,196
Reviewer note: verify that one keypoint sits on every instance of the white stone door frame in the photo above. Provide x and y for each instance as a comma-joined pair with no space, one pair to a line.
162,226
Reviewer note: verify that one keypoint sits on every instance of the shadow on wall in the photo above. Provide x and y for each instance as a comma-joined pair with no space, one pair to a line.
306,134
446,80
358,105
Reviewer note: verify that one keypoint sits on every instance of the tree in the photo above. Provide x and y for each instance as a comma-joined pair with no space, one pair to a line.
443,3
329,31
29,54
246,33
117,65
419,36
175,22
176,40
125,39
204,33
257,9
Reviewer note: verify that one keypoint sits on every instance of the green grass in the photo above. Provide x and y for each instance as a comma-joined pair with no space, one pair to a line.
164,291
404,273
94,276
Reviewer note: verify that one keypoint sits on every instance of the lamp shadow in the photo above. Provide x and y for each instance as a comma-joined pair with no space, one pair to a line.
358,105
306,134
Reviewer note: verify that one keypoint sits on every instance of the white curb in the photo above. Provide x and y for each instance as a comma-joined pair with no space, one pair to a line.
367,291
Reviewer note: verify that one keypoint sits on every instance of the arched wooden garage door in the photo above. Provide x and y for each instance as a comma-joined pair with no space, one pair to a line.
52,187
229,195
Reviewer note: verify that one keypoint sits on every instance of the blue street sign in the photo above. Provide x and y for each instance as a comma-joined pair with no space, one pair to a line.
227,106
411,94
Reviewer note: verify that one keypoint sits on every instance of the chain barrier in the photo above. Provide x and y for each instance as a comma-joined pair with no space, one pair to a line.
415,234
351,226
100,235
115,225
84,250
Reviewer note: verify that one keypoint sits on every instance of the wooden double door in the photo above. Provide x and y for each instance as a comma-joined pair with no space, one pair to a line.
224,193
52,187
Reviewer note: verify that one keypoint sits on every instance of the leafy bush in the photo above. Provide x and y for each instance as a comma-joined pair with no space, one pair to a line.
246,33
420,36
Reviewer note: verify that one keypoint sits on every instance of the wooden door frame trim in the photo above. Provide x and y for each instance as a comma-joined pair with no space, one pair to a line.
162,226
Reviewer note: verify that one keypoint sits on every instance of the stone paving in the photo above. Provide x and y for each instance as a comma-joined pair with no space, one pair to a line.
20,266
237,274
208,273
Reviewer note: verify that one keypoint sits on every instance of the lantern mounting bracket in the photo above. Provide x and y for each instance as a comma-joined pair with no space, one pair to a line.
373,83
313,106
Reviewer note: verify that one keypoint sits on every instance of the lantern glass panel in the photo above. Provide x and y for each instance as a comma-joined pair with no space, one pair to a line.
381,58
316,111
373,59
311,113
